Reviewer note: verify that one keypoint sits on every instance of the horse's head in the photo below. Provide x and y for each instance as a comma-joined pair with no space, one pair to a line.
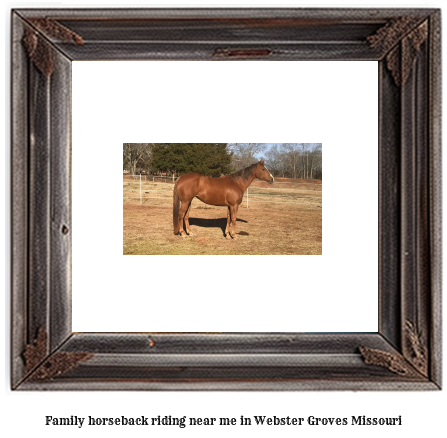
262,172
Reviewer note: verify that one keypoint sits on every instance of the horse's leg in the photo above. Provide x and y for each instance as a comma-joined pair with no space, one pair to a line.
227,229
233,211
188,229
183,208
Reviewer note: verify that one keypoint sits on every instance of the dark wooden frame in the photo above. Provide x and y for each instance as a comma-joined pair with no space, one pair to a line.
405,354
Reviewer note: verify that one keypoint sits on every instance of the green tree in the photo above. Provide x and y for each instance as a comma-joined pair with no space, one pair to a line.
212,159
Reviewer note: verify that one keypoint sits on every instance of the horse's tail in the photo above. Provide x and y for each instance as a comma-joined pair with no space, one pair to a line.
175,209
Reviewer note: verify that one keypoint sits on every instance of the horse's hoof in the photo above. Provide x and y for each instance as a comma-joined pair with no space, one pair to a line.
234,237
191,234
184,235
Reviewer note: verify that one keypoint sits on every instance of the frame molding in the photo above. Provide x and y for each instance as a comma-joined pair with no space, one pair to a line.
406,352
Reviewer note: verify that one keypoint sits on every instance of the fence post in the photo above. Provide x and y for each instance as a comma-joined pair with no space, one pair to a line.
141,195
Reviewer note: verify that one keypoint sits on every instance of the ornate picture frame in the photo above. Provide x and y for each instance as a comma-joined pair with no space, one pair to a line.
405,353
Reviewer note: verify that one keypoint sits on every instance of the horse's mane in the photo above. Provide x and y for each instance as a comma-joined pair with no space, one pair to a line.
243,173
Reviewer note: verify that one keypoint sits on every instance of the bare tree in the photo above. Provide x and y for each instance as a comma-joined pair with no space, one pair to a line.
274,159
295,160
137,156
292,158
315,160
244,154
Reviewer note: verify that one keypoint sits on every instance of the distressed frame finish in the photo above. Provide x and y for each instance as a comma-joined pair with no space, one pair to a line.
405,354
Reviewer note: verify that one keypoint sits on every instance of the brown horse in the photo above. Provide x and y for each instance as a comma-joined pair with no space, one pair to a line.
228,190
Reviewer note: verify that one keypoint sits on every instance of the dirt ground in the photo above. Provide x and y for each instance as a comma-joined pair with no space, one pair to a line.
286,219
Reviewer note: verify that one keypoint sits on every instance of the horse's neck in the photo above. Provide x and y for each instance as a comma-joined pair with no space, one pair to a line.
245,183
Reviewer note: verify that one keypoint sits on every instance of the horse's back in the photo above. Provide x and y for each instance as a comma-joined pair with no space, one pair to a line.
188,177
213,191
196,180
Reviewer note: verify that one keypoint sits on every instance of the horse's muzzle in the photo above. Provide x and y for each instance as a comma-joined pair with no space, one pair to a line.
271,181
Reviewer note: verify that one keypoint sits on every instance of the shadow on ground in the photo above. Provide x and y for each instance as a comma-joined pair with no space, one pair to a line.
212,223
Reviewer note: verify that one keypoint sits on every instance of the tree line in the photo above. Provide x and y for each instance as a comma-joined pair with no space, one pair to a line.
296,160
291,160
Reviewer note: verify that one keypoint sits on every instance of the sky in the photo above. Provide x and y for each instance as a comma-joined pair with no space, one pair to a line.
268,146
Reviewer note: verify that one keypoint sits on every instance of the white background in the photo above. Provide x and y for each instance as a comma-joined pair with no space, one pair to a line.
23,413
196,102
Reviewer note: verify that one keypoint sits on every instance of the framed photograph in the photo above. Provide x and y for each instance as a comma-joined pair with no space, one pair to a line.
351,303
214,190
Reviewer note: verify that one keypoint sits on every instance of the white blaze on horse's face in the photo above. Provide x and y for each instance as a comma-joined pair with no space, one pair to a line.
264,171
271,176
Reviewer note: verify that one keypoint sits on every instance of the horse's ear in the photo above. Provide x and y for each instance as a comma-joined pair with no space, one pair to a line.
262,161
